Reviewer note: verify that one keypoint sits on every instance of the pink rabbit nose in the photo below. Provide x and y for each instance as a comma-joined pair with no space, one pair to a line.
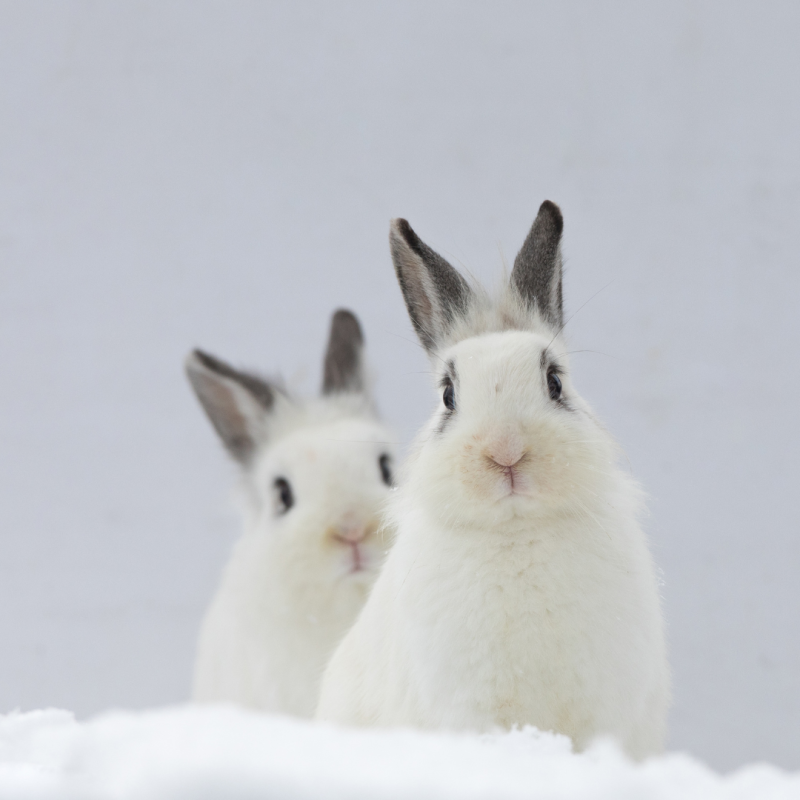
351,532
506,452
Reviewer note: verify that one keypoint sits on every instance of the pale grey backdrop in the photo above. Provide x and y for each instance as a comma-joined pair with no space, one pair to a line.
175,174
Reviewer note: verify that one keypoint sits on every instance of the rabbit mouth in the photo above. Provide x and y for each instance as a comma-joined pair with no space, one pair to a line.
353,538
513,481
357,560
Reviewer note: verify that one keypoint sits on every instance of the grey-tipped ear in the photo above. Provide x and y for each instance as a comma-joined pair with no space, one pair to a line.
537,267
343,370
434,292
237,403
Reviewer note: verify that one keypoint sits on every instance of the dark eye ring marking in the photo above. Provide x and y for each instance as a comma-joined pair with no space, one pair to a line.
284,495
385,464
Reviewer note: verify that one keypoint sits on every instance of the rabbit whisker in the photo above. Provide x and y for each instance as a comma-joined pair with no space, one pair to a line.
359,441
571,316
419,345
597,352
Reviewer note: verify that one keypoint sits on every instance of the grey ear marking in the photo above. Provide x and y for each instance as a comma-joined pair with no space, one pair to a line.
343,368
434,292
235,402
538,268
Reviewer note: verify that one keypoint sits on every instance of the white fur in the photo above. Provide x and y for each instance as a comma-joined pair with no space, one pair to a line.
288,593
494,609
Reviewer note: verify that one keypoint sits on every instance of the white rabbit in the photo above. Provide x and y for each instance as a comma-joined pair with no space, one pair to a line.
520,589
316,475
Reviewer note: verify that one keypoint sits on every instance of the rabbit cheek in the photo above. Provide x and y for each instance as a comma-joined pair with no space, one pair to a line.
560,466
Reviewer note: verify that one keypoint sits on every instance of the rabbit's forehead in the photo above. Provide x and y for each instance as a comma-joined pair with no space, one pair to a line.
495,356
343,444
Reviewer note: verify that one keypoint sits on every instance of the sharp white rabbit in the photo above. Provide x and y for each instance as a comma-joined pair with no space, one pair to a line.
315,476
520,588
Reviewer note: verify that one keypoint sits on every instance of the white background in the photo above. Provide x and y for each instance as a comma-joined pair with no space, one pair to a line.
222,174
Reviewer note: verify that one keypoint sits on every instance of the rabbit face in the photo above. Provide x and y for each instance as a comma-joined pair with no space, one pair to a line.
316,473
319,492
511,438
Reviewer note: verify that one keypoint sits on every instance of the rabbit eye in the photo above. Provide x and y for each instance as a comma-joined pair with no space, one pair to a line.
385,463
283,495
554,385
449,395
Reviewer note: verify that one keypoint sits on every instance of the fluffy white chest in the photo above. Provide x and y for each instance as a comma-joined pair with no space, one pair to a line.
265,642
551,628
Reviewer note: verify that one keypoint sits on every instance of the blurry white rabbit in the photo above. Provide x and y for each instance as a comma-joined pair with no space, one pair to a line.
520,589
316,475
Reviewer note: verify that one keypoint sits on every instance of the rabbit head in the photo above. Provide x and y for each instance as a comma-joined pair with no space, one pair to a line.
511,437
315,473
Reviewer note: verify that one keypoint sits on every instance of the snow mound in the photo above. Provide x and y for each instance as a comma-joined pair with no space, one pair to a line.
200,753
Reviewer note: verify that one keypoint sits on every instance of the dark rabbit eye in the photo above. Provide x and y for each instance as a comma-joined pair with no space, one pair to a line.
385,463
449,396
283,494
554,385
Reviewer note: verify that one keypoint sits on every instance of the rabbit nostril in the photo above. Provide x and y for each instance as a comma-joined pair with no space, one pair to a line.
353,531
350,535
506,462
506,451
506,457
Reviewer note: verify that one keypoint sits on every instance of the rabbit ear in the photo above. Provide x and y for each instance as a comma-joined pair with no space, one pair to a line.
237,403
343,369
434,292
537,267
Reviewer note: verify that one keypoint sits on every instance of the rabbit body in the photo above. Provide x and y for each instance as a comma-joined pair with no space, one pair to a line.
314,483
287,594
520,589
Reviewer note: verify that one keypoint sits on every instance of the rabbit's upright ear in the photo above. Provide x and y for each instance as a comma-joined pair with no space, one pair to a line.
537,267
343,370
237,403
435,294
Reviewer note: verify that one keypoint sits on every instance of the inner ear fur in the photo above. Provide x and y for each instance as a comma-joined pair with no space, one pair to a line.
237,403
537,272
343,368
434,292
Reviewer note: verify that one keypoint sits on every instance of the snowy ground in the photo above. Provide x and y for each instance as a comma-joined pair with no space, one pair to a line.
194,752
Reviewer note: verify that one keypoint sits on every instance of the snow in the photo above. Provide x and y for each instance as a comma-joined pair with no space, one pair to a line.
189,752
